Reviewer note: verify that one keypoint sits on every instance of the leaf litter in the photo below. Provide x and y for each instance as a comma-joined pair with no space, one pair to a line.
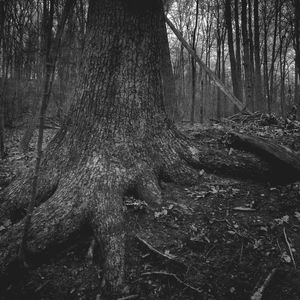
220,239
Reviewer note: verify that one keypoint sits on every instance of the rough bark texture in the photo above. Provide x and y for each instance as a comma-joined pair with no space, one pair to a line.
2,19
238,49
115,139
260,105
247,61
233,64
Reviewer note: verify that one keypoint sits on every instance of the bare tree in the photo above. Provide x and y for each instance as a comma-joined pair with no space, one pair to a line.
2,20
247,60
194,47
260,104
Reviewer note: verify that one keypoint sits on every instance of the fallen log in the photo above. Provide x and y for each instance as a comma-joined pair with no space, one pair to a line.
284,162
226,91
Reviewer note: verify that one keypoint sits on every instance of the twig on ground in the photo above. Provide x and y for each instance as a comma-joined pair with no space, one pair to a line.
129,297
241,252
175,278
160,254
289,247
90,253
259,292
240,234
210,250
41,286
278,246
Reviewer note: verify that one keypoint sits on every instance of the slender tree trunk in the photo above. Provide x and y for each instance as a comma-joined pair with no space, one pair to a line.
51,56
218,62
273,56
2,83
251,53
297,52
297,35
182,75
260,103
265,55
238,51
247,60
194,47
233,64
223,73
296,93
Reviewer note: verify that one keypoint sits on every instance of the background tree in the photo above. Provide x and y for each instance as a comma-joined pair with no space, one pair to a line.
3,78
271,61
193,63
260,105
297,50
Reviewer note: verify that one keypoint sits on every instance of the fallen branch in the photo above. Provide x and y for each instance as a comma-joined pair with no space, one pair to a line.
209,72
289,247
244,209
259,292
175,278
160,254
129,297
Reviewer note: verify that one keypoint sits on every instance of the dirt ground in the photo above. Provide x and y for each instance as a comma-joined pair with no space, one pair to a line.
219,239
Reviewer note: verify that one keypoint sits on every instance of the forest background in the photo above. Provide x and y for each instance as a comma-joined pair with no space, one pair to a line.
252,47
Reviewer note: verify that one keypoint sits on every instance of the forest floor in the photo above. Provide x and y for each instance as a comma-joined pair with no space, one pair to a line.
219,239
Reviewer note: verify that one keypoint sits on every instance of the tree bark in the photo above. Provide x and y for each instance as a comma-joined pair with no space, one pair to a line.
265,55
247,61
116,139
194,73
234,75
238,50
2,20
260,103
274,54
251,54
297,52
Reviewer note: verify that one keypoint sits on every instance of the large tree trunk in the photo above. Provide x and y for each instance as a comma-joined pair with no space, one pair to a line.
115,139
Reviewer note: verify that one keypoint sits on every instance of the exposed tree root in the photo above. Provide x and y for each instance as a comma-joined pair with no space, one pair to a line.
88,185
91,193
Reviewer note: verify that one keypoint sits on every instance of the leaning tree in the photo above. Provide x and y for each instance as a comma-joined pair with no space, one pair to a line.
115,139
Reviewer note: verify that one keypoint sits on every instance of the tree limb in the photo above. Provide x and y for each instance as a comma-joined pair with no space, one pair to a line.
212,76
